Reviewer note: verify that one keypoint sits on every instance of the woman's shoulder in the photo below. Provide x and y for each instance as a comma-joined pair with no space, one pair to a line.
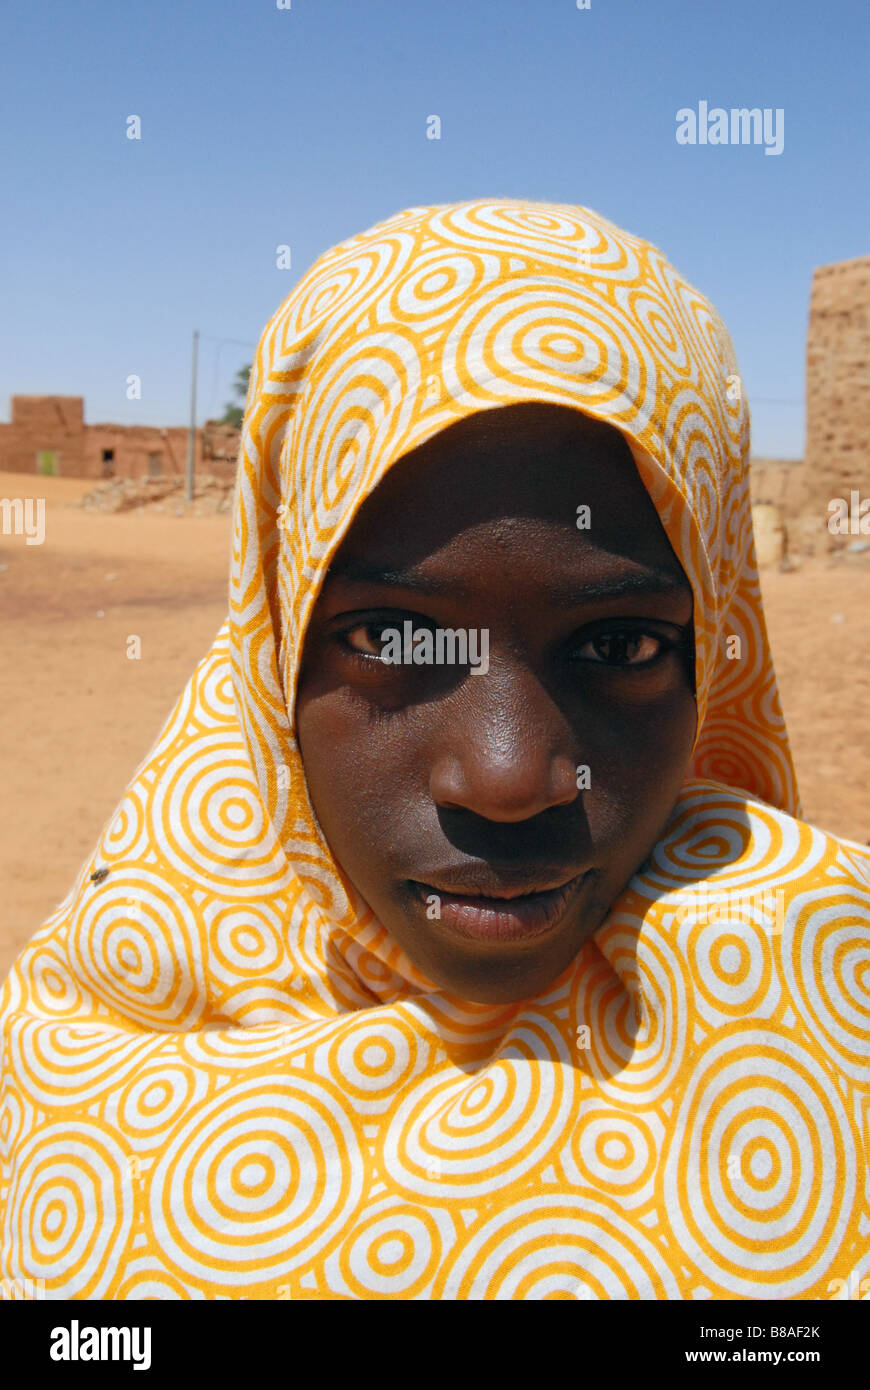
724,833
763,920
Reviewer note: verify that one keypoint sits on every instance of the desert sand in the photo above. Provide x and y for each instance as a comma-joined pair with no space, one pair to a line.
79,716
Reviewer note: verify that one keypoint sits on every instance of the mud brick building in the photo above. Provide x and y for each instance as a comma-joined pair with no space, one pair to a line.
48,435
837,450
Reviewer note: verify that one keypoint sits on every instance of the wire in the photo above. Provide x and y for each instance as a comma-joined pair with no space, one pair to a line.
237,342
221,343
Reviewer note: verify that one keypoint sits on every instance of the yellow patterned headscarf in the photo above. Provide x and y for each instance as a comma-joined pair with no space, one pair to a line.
222,1078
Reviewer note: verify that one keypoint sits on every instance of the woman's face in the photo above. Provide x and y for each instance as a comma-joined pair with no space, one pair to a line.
491,818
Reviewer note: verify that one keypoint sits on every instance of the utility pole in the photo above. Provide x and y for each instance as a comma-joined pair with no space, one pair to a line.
191,437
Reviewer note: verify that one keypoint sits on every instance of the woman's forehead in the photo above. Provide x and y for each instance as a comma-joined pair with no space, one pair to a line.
544,469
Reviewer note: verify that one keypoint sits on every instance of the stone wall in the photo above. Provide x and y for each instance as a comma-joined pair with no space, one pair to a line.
781,482
838,383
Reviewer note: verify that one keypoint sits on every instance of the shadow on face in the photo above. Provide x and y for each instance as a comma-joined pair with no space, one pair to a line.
495,706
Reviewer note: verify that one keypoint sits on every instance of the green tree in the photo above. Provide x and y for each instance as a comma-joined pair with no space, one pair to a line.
233,413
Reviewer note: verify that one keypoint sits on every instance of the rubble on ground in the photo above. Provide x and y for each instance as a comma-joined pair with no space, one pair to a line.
166,495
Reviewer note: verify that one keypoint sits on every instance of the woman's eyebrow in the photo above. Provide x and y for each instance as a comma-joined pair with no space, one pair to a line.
640,580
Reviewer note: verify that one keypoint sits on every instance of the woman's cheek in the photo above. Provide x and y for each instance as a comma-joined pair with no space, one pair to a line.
638,765
348,769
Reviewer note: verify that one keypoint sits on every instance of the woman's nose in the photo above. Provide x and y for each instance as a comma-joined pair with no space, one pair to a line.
507,751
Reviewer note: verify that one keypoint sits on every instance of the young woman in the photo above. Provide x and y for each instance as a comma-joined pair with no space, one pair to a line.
458,938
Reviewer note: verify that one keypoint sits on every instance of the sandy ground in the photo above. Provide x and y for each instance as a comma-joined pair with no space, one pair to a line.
80,716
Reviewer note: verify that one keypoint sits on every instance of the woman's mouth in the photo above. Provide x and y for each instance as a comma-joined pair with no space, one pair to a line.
519,917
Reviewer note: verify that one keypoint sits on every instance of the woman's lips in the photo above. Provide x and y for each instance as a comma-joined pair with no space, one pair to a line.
504,918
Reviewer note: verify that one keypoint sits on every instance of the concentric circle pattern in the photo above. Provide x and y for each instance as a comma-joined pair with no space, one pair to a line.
562,1247
395,1251
615,1151
69,1212
221,1077
238,1191
760,1178
452,1131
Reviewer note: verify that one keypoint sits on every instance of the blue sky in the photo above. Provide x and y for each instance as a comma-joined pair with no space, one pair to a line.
303,126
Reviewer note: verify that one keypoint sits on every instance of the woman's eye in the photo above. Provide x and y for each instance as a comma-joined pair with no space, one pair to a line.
367,638
621,647
615,647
